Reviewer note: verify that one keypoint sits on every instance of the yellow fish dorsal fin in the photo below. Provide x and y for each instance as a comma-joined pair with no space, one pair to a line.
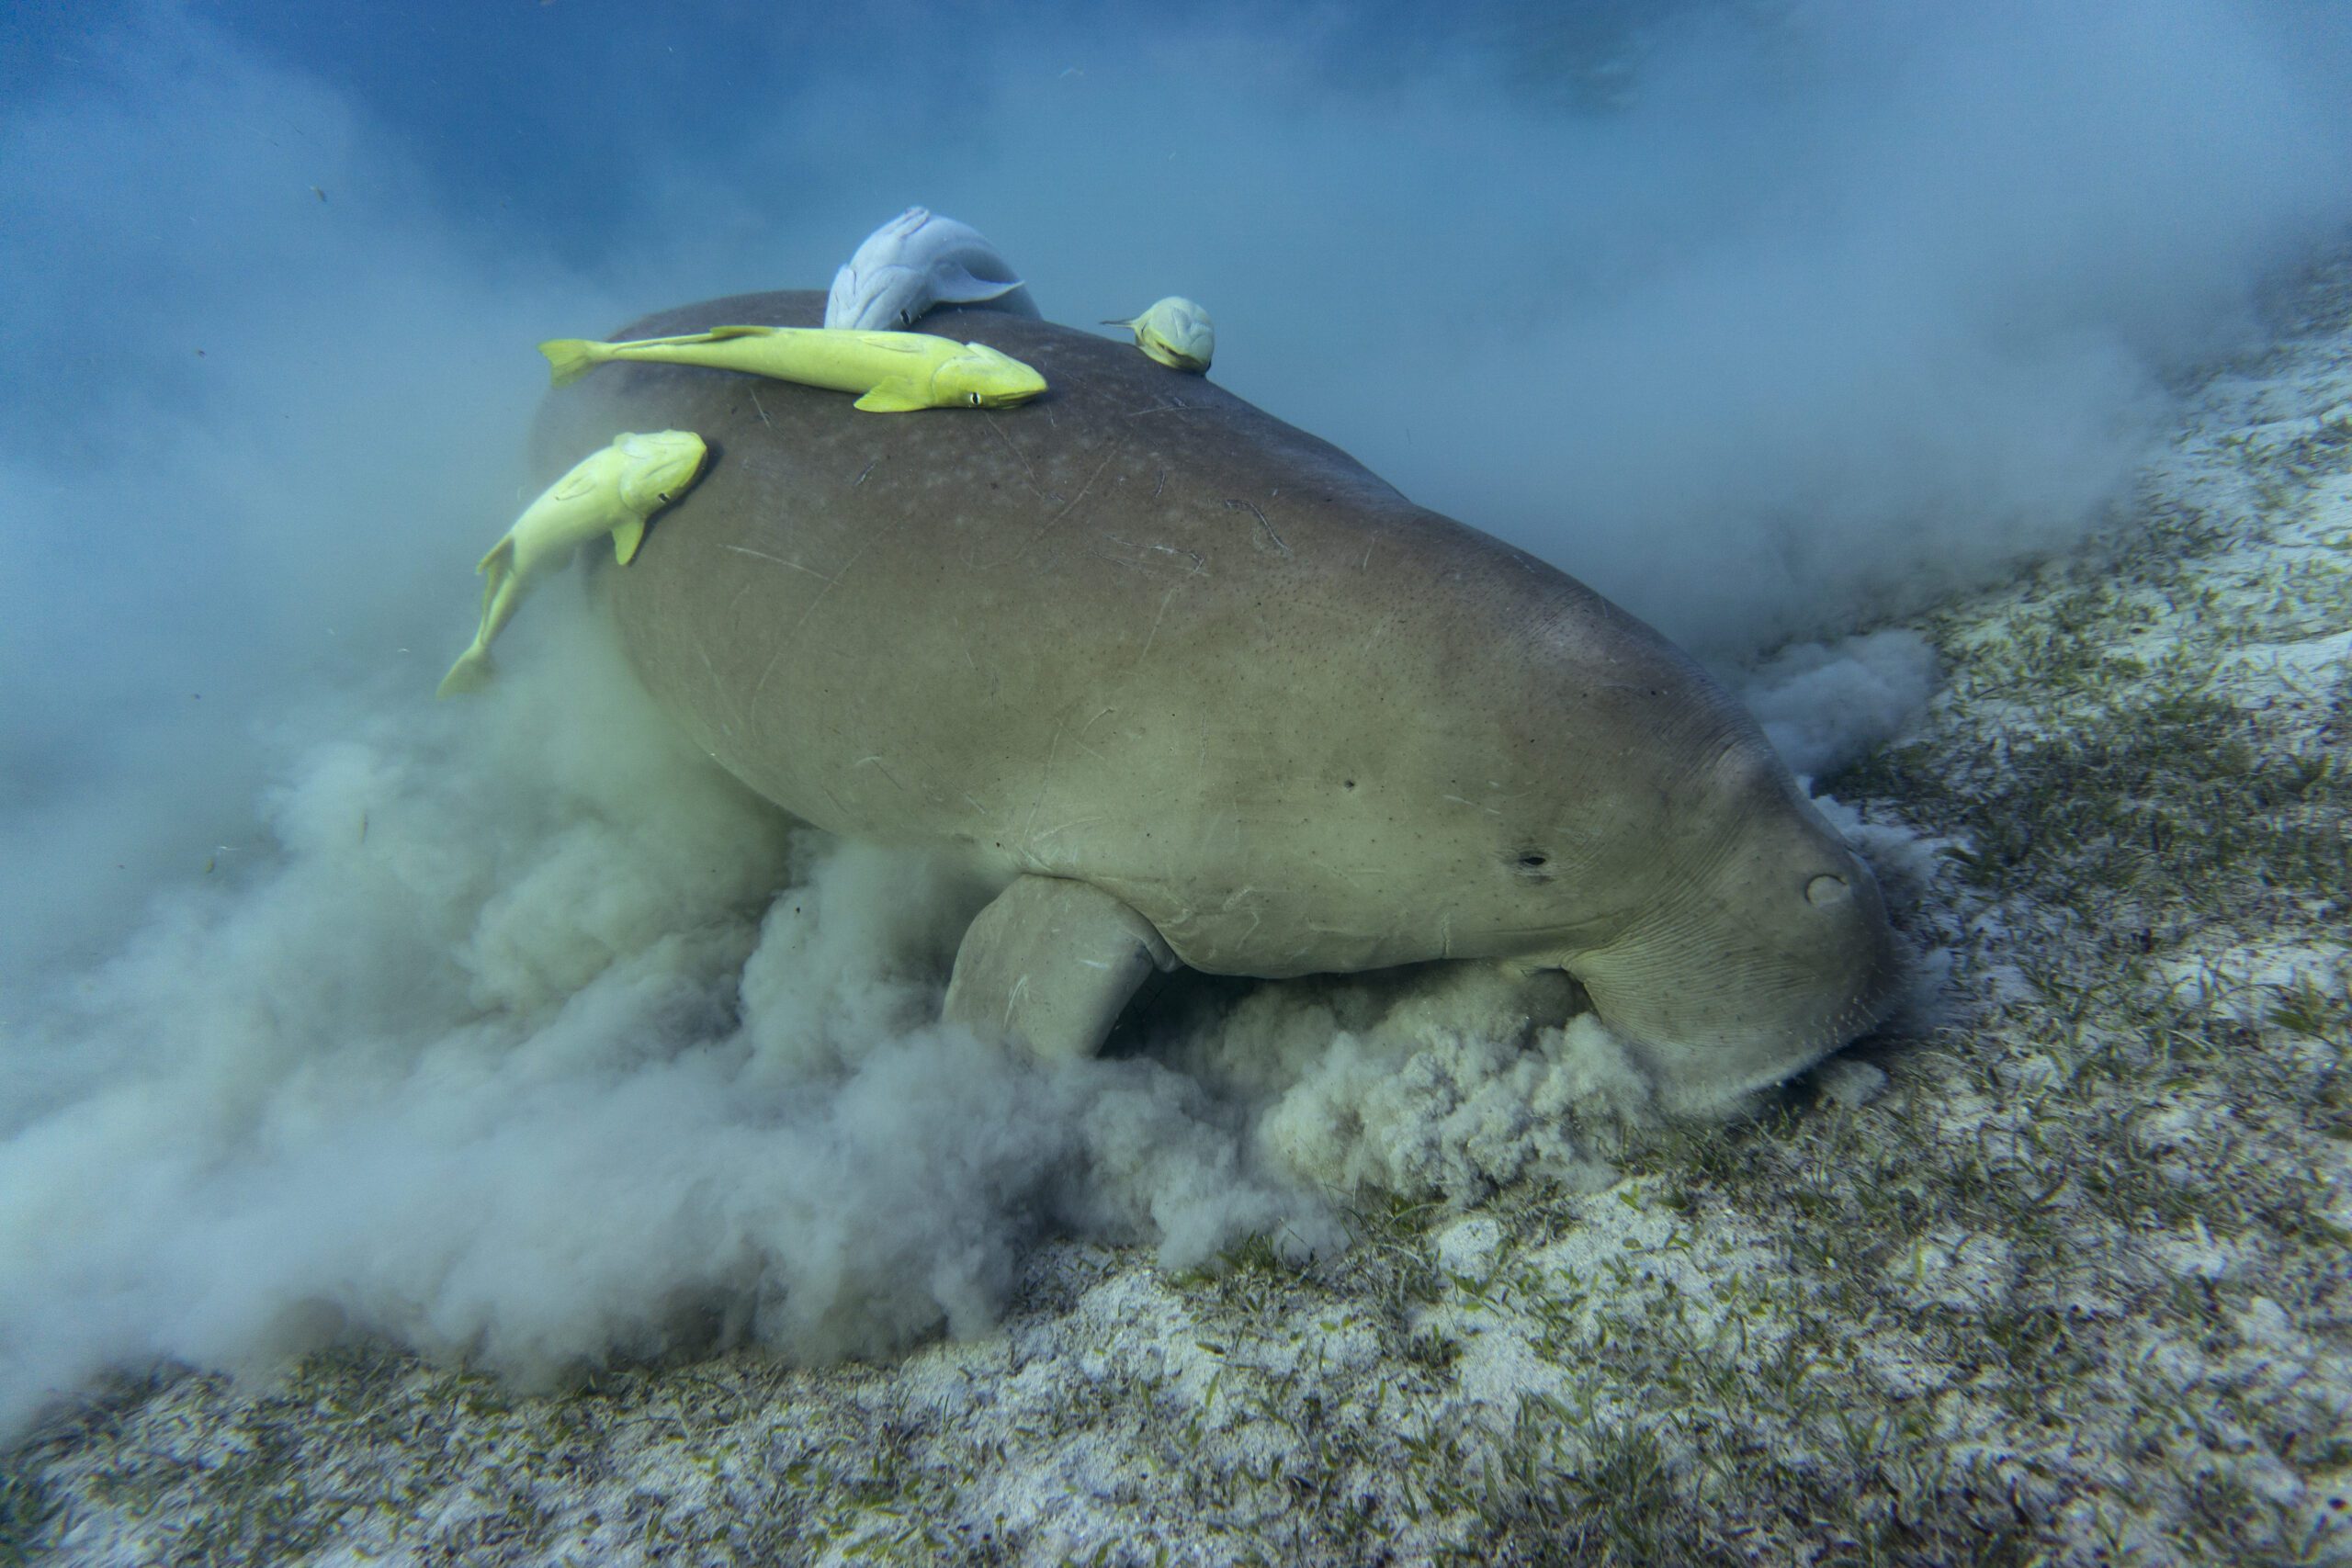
573,485
737,332
627,538
493,569
898,343
896,395
500,558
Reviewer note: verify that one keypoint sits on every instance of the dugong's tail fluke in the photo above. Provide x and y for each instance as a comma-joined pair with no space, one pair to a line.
470,673
571,358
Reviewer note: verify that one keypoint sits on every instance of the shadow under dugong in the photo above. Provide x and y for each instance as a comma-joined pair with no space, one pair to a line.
1202,689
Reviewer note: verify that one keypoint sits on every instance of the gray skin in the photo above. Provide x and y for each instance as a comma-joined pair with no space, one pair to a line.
1206,690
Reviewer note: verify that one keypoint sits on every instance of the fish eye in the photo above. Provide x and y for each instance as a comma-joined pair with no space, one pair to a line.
976,400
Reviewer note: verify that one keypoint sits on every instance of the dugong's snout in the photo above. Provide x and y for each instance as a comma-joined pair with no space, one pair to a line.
1767,958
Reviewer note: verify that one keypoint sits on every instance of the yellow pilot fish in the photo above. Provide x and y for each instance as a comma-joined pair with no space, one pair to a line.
610,491
1176,333
896,372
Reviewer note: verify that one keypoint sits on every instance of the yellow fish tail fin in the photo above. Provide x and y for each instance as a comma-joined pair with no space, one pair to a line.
470,673
896,395
569,358
627,538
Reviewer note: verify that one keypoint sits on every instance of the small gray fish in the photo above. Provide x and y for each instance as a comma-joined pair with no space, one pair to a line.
914,262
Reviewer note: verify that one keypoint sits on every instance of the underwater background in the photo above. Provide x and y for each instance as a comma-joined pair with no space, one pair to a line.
515,1038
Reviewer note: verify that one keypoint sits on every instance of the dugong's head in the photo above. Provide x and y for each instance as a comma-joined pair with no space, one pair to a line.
657,467
984,378
1634,827
1761,946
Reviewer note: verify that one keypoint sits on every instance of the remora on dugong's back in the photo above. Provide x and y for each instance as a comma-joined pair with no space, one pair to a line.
1208,691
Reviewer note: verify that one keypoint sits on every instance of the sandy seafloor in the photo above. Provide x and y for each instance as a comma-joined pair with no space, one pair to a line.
2057,1276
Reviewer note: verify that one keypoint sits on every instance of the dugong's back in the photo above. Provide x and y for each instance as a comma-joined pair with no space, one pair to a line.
1136,632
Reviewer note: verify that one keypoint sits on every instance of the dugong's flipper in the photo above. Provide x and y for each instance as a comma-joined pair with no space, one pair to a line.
1050,964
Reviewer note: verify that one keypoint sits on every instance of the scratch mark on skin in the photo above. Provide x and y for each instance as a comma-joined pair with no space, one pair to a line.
883,768
1160,486
784,646
1153,635
1257,916
1017,458
1071,504
773,660
763,412
861,473
746,551
829,582
1045,781
1457,800
709,668
1079,739
1198,569
1251,507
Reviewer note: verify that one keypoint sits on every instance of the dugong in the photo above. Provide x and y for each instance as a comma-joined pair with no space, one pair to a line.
1198,688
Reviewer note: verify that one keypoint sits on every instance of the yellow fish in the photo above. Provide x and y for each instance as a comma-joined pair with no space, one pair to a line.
895,372
610,491
1175,332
